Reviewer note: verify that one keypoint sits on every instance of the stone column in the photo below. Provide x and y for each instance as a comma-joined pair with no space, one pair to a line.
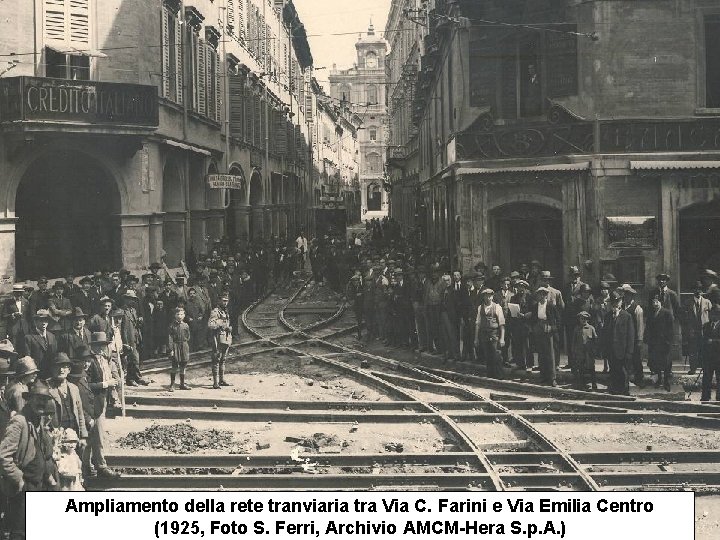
258,222
242,222
7,253
135,232
155,237
267,222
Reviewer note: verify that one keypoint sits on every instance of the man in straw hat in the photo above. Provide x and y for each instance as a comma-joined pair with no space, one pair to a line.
26,456
103,378
16,310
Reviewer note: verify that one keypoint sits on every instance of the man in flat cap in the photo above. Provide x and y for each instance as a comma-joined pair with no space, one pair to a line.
26,456
40,343
490,333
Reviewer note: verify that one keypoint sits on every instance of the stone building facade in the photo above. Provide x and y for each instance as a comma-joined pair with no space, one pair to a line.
115,115
363,88
575,133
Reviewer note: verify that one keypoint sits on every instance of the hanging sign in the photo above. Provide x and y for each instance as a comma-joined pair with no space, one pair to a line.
225,181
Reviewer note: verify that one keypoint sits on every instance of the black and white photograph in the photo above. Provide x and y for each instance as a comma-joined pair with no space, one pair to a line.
359,245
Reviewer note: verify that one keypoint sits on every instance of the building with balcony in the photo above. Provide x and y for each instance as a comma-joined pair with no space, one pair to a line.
362,88
117,117
575,133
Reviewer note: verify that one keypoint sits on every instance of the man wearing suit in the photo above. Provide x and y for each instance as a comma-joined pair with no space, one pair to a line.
669,300
40,343
39,298
461,301
658,336
66,397
22,308
103,378
60,309
69,342
699,316
101,322
86,298
402,301
619,337
544,324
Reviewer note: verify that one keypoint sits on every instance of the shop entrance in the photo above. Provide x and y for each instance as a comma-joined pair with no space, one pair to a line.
526,231
698,242
67,208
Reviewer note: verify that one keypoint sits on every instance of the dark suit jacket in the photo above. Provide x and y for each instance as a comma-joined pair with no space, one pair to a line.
89,303
659,329
24,312
70,341
669,301
552,313
41,351
97,323
619,335
56,306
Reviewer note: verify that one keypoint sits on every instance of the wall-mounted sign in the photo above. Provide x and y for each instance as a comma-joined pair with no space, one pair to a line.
225,181
631,232
37,98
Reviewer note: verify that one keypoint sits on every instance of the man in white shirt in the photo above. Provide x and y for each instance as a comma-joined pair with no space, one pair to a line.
699,315
490,333
302,246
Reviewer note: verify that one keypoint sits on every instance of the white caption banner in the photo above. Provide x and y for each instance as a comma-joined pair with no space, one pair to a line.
377,515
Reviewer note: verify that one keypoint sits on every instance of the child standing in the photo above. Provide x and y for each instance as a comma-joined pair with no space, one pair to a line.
179,342
583,348
68,463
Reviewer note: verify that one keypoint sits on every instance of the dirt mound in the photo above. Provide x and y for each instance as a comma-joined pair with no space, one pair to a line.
182,439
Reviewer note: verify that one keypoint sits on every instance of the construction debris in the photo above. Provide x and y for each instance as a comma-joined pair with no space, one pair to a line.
182,439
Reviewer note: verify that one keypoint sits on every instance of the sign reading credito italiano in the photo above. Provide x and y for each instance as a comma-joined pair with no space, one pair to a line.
36,98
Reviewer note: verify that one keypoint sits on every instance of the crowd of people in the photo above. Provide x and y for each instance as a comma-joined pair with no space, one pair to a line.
406,296
72,347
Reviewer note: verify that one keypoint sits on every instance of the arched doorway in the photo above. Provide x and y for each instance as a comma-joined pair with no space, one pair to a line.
173,207
256,200
528,231
698,241
374,197
67,208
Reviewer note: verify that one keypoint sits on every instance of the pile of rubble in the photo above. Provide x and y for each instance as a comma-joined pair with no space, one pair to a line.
182,439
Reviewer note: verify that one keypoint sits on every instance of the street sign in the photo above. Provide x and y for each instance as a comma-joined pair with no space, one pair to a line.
225,181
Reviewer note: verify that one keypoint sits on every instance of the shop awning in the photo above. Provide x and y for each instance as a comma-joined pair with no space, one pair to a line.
559,167
188,147
667,165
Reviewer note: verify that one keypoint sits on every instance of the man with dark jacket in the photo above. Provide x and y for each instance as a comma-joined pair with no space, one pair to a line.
16,310
658,337
26,460
60,309
619,344
711,352
86,298
41,344
78,376
77,336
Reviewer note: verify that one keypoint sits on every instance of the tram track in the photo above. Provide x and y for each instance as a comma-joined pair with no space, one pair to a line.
531,462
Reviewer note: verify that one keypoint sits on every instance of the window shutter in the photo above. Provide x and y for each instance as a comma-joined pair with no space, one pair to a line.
179,72
280,135
79,22
237,98
210,81
165,52
248,103
231,16
257,130
54,20
219,84
202,78
263,125
241,19
194,45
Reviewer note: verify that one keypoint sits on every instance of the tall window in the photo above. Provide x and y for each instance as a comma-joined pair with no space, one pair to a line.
373,134
67,38
374,197
172,57
372,163
712,61
372,94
